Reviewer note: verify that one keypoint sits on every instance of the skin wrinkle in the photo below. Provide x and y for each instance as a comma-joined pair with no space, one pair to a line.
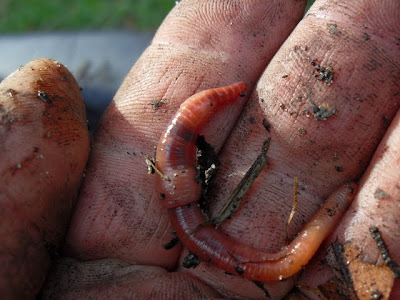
362,18
159,228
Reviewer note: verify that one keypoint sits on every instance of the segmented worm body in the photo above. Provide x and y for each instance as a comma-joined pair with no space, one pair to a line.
176,150
176,159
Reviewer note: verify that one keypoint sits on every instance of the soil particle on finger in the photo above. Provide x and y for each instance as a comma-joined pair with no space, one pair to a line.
380,194
339,168
44,97
172,243
322,112
385,121
325,74
11,93
191,261
333,29
157,103
301,131
266,125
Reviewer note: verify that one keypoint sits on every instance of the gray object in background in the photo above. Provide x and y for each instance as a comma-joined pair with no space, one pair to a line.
98,60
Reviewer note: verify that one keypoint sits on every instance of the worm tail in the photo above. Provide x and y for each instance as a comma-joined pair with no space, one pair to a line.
213,246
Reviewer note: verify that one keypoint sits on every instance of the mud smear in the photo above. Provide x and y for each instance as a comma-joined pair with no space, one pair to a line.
191,261
356,278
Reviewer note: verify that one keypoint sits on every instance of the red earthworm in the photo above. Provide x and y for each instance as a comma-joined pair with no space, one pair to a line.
179,188
176,150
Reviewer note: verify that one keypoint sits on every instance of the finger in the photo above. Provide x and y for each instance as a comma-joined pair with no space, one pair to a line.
324,129
371,268
44,144
74,279
200,45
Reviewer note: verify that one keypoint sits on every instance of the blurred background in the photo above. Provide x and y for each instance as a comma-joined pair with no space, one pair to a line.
50,15
98,40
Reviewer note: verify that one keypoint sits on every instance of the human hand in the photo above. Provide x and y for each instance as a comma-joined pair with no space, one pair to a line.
118,223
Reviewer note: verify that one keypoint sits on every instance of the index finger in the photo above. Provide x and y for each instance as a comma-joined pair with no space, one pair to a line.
200,45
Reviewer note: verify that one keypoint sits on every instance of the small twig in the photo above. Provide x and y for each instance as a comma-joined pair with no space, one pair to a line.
293,211
151,168
235,199
172,243
383,249
262,287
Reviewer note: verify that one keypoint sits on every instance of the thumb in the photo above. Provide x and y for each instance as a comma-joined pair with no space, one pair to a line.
44,145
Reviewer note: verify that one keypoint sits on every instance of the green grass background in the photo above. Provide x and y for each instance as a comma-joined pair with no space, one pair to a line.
49,15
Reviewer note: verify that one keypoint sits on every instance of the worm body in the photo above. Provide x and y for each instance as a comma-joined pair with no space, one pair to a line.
176,159
213,246
176,150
